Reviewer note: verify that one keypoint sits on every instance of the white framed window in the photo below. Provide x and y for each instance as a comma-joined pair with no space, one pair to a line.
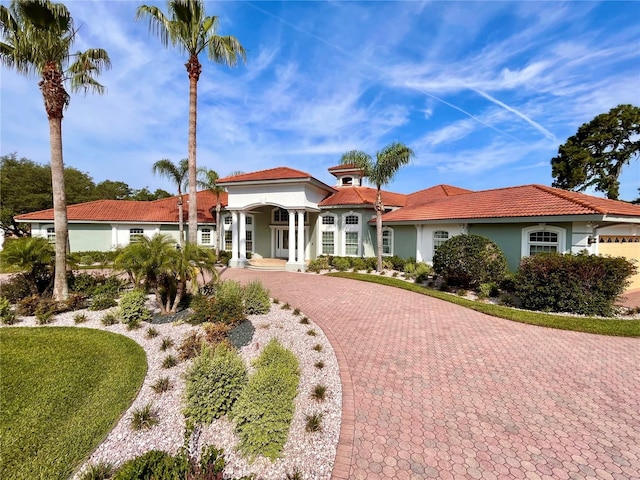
249,240
51,235
351,243
328,243
135,235
228,241
387,241
280,215
227,220
542,239
351,224
328,219
205,236
439,237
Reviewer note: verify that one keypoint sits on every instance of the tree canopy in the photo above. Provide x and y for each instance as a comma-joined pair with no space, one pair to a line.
25,186
595,155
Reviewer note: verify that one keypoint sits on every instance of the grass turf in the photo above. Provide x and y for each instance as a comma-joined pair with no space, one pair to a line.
63,390
614,327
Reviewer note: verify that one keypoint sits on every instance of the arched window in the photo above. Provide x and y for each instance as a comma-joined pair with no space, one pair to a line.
542,239
352,234
328,231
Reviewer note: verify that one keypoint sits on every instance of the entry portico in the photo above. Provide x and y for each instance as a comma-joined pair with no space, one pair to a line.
292,194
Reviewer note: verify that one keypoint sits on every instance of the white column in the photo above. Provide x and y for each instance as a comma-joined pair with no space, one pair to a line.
300,236
243,236
114,236
234,235
418,243
292,236
273,242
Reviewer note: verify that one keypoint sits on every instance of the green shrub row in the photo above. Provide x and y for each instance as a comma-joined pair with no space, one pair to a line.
332,262
213,384
91,257
229,302
265,409
583,284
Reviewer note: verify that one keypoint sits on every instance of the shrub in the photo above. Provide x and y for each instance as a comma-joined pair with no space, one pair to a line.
489,289
317,347
304,321
582,284
102,301
225,307
99,471
132,307
313,423
397,263
341,264
109,319
169,361
469,260
45,317
319,365
75,301
311,332
190,346
508,283
256,298
144,418
153,464
27,306
208,289
152,332
111,285
224,257
358,264
320,263
83,283
167,343
161,385
7,316
423,271
16,288
319,392
216,332
264,411
213,384
286,306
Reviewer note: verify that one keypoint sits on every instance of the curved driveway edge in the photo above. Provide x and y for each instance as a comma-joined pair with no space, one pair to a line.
433,390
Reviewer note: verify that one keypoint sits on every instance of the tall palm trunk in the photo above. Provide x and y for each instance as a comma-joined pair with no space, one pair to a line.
180,220
194,68
379,209
219,229
55,99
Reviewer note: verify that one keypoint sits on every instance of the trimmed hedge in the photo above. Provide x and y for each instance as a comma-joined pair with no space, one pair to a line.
583,284
469,260
213,384
264,411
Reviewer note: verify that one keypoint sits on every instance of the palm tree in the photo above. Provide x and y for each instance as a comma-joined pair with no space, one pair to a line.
31,255
208,182
381,172
37,38
177,174
188,28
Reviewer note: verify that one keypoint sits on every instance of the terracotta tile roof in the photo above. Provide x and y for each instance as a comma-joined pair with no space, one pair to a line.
362,196
164,210
521,201
344,166
278,173
433,193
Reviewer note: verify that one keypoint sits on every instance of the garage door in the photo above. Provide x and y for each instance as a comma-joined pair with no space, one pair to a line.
627,246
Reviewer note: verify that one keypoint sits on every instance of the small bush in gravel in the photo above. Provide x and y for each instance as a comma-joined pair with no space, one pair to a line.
102,301
276,301
317,347
144,418
132,307
286,306
319,365
79,318
167,343
489,289
216,332
311,333
76,301
304,321
152,332
98,471
45,317
161,385
28,305
109,319
295,475
256,298
225,307
296,311
264,411
319,392
313,423
213,384
169,361
191,346
7,315
153,464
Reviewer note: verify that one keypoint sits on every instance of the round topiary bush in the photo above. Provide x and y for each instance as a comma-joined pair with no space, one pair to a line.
469,260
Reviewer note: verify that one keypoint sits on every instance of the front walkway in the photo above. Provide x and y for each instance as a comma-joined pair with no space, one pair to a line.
433,390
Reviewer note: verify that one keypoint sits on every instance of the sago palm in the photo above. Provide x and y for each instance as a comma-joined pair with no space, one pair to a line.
208,181
37,37
178,175
31,255
380,172
187,27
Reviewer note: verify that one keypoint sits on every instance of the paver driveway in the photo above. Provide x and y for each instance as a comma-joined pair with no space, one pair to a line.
433,390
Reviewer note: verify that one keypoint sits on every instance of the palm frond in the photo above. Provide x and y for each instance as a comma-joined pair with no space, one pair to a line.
159,24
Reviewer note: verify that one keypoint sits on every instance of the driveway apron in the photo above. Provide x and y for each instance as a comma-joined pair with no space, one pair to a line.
434,390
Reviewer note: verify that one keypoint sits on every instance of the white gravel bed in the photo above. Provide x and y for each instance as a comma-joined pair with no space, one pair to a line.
312,454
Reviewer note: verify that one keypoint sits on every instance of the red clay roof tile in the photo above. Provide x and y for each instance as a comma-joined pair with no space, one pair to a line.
362,196
278,173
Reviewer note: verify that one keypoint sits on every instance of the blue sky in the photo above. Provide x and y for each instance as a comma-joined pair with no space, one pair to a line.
483,92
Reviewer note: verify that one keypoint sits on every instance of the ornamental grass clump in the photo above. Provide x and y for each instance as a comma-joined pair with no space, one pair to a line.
264,411
213,384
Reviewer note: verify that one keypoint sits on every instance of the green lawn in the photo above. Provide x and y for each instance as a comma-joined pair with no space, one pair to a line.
62,391
621,328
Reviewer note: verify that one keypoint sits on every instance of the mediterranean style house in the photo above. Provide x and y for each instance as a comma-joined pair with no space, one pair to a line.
288,214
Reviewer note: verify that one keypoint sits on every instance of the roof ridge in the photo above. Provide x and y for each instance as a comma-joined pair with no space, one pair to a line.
566,196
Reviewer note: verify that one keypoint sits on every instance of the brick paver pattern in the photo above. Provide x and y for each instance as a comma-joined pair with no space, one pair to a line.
434,390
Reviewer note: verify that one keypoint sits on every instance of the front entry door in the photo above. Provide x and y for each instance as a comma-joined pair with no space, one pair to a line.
282,243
